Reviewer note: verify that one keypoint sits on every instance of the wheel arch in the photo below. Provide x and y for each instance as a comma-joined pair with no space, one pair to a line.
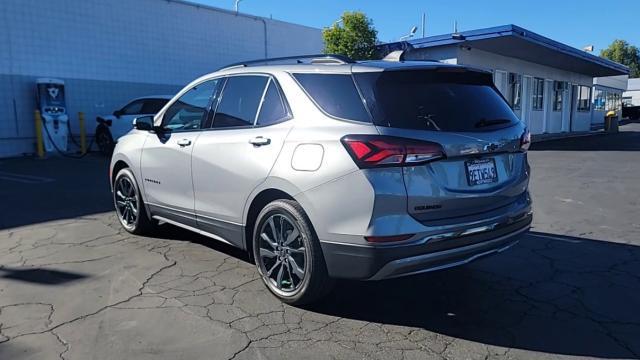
120,164
258,202
117,166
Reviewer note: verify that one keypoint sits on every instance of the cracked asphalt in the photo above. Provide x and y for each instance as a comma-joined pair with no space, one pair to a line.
74,285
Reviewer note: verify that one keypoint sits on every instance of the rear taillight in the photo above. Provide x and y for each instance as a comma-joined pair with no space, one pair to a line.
525,140
379,151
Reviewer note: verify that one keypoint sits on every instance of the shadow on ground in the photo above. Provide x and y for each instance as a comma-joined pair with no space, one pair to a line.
171,232
34,191
550,293
40,276
628,139
571,296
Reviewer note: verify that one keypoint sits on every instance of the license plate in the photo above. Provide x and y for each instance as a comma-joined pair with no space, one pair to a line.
481,172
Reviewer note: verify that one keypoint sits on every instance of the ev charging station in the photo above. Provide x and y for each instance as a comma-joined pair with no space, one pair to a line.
52,106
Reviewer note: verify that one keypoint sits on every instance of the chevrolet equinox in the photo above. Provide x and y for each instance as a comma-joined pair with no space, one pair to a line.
321,167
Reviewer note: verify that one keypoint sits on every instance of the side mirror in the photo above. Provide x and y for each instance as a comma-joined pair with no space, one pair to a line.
144,123
117,113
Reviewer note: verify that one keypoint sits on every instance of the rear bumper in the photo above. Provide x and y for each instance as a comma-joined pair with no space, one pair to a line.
433,253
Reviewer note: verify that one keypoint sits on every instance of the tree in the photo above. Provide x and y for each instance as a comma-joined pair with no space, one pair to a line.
356,38
624,53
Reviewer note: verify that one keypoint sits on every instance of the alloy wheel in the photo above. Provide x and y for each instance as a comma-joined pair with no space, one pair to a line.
282,254
127,205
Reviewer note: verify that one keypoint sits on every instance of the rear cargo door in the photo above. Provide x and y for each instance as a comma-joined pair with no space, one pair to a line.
462,111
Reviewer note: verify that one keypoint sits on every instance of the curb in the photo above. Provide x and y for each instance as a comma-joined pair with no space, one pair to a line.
549,137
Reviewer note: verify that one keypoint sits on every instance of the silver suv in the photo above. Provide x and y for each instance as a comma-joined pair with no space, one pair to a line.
322,168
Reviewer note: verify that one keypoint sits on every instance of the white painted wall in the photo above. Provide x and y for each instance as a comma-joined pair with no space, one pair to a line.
616,82
445,54
633,91
154,41
479,58
111,51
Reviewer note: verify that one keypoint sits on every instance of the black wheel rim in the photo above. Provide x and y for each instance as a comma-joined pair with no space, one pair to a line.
127,205
282,255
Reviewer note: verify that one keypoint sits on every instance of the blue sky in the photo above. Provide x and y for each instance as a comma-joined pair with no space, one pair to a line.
573,22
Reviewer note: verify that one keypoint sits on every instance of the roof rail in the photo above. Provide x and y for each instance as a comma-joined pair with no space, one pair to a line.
311,59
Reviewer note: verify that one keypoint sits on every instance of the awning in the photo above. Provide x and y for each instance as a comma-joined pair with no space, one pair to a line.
516,42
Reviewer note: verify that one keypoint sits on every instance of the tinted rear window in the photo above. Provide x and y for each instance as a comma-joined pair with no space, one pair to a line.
434,100
335,94
272,109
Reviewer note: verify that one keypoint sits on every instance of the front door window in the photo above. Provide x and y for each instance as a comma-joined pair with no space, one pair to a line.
187,113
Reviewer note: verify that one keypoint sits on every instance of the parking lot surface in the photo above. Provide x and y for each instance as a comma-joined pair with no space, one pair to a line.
74,285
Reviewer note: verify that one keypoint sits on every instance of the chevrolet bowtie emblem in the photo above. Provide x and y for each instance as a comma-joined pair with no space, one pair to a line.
491,147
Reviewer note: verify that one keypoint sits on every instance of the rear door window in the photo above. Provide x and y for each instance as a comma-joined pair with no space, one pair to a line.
133,108
335,94
273,109
240,100
464,101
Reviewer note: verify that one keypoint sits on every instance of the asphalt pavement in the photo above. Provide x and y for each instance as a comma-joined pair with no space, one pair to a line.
74,285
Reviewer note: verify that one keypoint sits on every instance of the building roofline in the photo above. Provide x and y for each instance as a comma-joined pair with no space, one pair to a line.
516,31
231,12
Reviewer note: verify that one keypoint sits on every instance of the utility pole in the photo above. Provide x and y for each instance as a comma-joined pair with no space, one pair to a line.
424,19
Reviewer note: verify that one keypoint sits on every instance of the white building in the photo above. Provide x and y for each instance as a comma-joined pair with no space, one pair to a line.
109,52
607,96
548,84
631,97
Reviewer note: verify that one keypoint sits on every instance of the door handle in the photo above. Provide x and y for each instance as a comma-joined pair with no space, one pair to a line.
259,141
184,142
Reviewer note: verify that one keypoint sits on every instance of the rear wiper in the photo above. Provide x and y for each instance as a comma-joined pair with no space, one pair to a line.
485,122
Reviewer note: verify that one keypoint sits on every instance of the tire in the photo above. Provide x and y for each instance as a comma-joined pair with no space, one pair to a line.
315,282
130,208
104,140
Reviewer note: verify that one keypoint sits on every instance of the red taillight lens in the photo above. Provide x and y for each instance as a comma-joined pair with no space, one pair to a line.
378,151
386,239
525,140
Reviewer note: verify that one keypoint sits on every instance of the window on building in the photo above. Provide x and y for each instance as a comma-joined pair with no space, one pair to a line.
609,101
537,99
627,101
500,79
618,102
600,99
558,94
240,99
584,98
515,90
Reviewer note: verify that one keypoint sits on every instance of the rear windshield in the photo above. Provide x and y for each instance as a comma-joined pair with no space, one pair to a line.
434,100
